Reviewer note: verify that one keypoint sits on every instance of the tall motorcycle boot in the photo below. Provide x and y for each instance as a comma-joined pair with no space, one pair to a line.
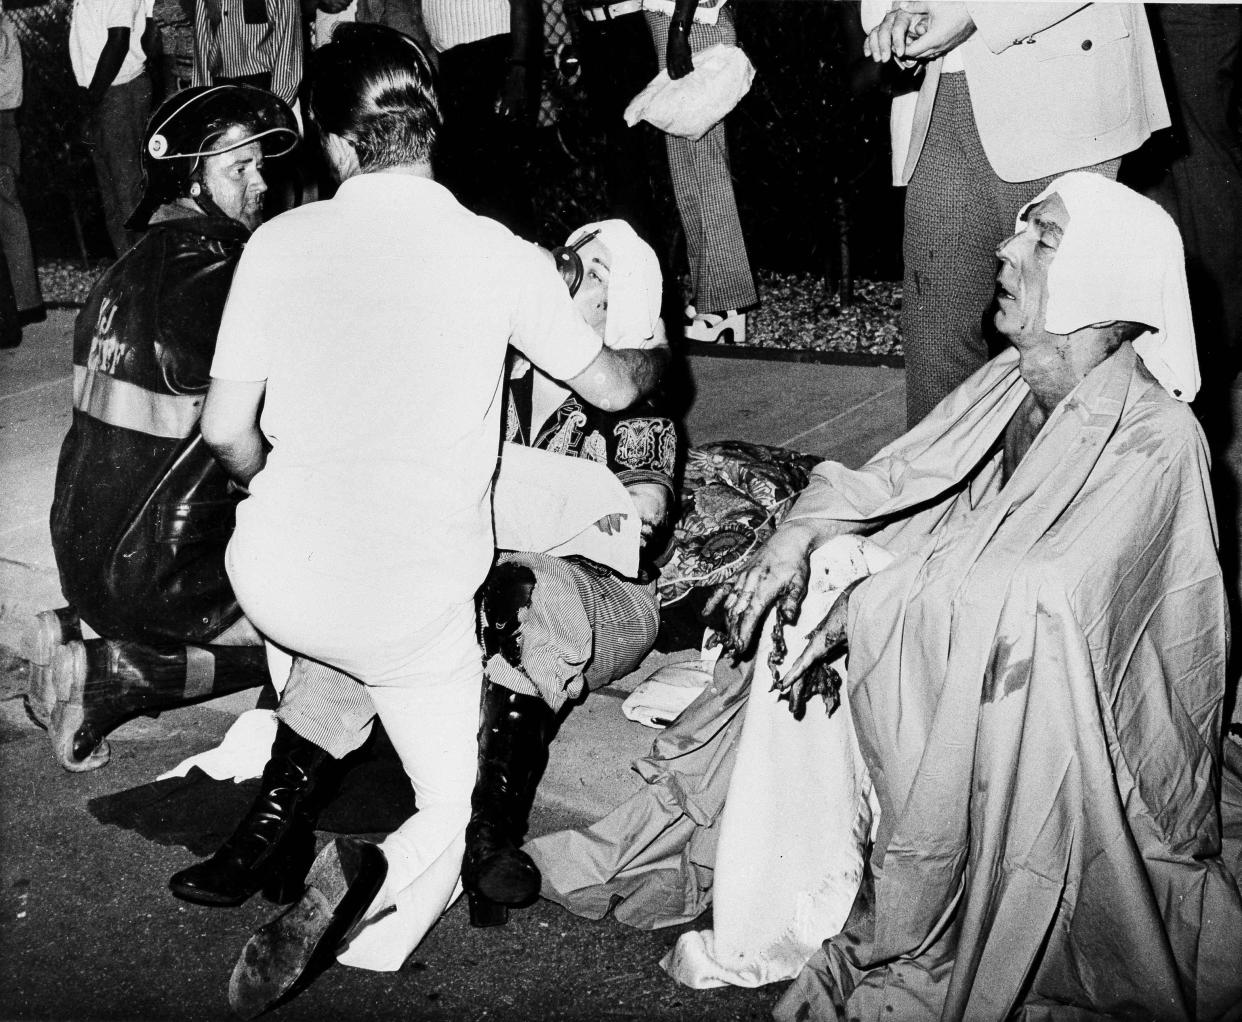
274,844
101,683
53,628
514,736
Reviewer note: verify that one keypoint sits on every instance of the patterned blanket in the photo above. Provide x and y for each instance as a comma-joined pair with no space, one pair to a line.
733,496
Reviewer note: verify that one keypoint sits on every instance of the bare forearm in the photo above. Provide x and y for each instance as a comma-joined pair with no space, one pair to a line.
683,11
525,30
242,456
646,368
109,65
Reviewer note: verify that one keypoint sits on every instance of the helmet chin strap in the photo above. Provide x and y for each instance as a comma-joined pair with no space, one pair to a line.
201,197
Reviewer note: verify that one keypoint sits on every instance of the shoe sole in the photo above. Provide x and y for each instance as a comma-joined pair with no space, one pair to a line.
729,331
69,666
49,636
508,880
279,954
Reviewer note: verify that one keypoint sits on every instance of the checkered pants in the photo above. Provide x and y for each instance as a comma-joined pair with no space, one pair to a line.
703,186
585,628
957,213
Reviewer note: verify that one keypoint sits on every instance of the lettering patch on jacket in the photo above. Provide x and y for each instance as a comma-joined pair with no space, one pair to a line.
107,350
649,443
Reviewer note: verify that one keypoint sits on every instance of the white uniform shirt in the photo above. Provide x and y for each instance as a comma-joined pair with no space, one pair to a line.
380,320
88,31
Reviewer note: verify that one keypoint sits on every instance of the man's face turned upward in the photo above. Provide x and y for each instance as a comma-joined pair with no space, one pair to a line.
1022,280
234,180
592,296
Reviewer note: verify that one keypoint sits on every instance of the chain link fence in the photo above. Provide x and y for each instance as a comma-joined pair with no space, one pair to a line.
809,143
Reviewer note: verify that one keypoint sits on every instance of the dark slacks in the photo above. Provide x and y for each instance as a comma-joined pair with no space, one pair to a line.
618,61
10,329
14,232
117,125
1201,44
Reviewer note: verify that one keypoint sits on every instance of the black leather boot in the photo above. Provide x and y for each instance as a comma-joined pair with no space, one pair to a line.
274,844
101,683
513,750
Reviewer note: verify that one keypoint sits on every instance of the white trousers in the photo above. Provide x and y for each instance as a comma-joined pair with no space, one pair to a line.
425,678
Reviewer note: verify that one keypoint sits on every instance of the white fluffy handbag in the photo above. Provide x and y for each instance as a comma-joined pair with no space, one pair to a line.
690,107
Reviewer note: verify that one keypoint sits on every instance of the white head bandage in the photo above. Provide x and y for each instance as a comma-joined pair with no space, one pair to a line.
634,287
1121,259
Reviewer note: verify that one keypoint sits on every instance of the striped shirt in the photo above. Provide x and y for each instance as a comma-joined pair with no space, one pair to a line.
457,22
235,38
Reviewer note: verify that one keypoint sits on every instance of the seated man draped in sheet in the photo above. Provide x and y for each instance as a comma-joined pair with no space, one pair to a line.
1029,741
583,501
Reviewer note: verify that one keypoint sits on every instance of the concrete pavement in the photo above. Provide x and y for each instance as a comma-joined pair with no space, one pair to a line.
88,929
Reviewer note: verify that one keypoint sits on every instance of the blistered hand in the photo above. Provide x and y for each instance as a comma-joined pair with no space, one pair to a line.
945,26
811,673
776,574
678,56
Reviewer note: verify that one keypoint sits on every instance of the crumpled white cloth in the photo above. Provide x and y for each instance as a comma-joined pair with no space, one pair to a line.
241,755
247,745
690,107
635,286
1122,259
548,504
796,819
659,699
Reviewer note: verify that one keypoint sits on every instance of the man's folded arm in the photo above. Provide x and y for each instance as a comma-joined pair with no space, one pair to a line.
616,378
550,331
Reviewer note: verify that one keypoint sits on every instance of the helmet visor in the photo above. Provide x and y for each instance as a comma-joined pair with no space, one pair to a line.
208,122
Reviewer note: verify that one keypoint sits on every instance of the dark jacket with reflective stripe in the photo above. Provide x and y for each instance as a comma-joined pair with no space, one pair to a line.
142,510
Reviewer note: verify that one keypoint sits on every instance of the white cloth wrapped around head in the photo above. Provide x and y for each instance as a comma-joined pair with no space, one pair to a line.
634,287
1121,258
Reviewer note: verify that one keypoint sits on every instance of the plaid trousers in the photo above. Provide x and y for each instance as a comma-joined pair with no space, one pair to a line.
957,214
720,274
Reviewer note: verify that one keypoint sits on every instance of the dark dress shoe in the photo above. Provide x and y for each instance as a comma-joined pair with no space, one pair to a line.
241,868
340,887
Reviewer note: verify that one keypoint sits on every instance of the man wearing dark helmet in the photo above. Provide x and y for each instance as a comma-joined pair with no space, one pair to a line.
142,510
